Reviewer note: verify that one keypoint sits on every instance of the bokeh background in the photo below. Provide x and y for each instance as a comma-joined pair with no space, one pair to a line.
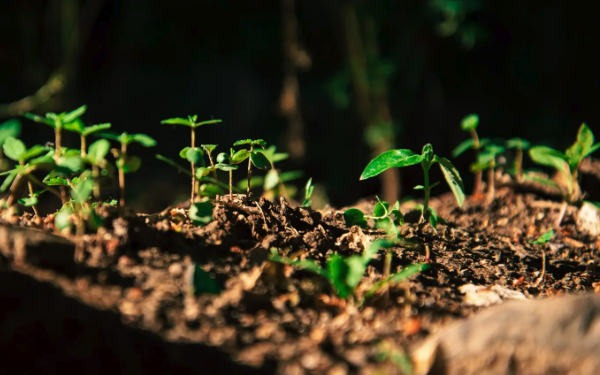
333,82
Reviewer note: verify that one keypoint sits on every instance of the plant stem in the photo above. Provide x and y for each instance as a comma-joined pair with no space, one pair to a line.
212,165
249,171
193,196
13,190
35,211
561,215
426,189
83,146
477,186
519,164
387,265
122,177
58,146
231,185
95,176
491,182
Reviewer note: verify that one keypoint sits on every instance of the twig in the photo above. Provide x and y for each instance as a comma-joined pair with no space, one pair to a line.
263,216
543,273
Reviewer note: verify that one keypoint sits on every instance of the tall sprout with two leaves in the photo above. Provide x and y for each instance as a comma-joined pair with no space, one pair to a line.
127,163
486,160
255,157
469,124
193,154
404,158
567,163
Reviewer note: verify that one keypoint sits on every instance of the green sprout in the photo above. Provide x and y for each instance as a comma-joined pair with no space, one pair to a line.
208,149
28,161
10,128
127,163
224,161
519,145
344,274
566,163
469,124
384,217
486,160
542,240
96,157
404,158
308,192
84,131
193,154
256,158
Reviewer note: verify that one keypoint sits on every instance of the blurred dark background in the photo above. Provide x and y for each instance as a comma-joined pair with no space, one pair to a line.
333,82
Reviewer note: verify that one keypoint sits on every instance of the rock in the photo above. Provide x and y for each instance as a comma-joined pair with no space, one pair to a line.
588,219
551,336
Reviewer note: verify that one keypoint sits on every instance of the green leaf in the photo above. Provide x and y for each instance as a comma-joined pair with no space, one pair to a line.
585,137
290,175
433,217
82,190
307,265
240,156
183,152
243,142
75,126
469,122
271,180
69,164
62,220
550,157
56,181
202,283
255,181
354,216
37,118
210,190
462,147
121,138
202,171
419,187
308,191
256,142
223,158
201,212
98,150
14,148
339,272
541,180
72,116
95,128
143,139
226,167
544,238
47,159
177,121
33,152
193,155
28,202
452,178
132,164
207,122
518,143
260,161
427,154
172,163
9,179
381,208
209,148
10,128
405,274
390,159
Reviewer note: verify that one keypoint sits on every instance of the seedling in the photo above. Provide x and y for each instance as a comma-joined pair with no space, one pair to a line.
96,157
28,161
10,128
194,153
345,273
208,149
308,192
486,160
384,217
405,158
127,163
566,163
224,160
274,182
83,131
256,158
542,240
469,124
201,212
519,145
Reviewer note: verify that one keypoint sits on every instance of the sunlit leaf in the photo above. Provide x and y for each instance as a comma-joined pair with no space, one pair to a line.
193,155
207,122
210,190
550,157
469,122
72,116
98,150
177,121
10,128
11,175
75,126
308,191
240,156
354,216
271,180
260,161
390,159
201,212
37,118
132,164
544,238
62,220
209,148
518,143
14,148
452,178
463,146
144,140
95,128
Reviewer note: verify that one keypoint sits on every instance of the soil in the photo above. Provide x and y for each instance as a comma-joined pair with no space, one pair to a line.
120,300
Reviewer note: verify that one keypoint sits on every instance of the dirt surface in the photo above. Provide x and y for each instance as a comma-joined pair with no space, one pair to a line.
125,304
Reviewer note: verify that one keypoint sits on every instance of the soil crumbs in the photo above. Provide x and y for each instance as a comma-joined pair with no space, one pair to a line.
126,304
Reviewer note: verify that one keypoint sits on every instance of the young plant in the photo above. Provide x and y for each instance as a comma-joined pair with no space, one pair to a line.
519,145
10,128
469,124
224,160
208,149
405,158
542,240
127,163
384,217
308,192
256,158
28,161
96,157
194,153
83,131
486,160
344,274
567,164
275,182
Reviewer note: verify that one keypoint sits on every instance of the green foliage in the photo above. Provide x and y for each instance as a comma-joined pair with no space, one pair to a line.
78,127
487,157
200,282
190,121
308,191
15,149
385,218
201,212
126,139
9,129
518,143
256,142
544,238
54,120
434,218
469,122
